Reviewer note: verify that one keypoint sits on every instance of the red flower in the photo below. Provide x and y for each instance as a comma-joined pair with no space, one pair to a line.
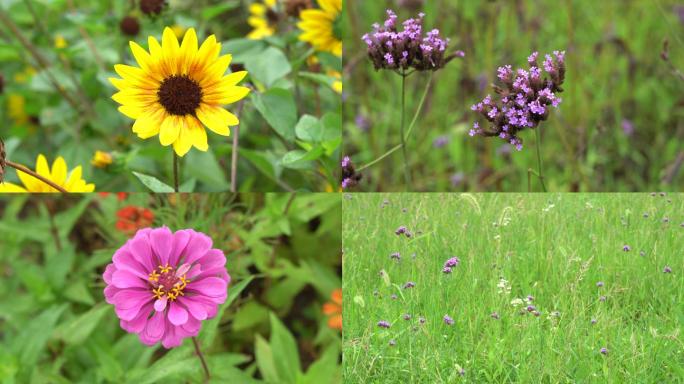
132,218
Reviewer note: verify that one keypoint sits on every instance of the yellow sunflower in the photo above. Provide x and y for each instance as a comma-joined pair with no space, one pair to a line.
263,18
322,28
59,174
178,90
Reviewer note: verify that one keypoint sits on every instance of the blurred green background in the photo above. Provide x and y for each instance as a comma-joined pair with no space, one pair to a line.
283,254
620,126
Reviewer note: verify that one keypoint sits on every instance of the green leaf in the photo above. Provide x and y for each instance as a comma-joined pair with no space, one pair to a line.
35,333
204,167
325,369
210,327
77,292
244,50
284,346
278,107
269,66
176,363
308,128
78,329
265,360
209,13
8,53
299,159
154,184
259,160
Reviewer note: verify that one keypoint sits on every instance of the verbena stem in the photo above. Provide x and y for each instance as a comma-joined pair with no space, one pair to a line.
539,161
407,173
408,132
201,357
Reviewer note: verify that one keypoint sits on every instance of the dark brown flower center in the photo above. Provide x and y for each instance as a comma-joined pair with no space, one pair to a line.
180,95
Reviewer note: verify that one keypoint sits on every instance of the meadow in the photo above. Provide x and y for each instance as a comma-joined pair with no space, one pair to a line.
279,323
618,128
504,288
274,126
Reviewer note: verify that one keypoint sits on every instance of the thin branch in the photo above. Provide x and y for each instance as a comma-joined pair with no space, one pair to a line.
201,357
21,168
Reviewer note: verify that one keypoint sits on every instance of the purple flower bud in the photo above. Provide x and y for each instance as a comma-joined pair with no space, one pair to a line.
383,324
599,284
396,256
667,269
626,248
604,351
400,230
448,320
593,321
407,316
602,298
409,284
446,270
452,262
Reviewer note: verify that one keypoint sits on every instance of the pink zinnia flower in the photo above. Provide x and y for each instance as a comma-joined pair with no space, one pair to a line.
163,284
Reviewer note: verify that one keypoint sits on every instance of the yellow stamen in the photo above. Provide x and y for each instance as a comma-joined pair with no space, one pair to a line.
172,296
158,293
154,276
165,269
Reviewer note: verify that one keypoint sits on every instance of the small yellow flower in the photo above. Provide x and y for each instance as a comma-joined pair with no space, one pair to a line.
60,42
178,90
16,108
70,181
101,159
25,75
263,19
337,84
322,28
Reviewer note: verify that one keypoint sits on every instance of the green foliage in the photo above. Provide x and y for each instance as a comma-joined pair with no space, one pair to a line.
615,77
554,247
283,256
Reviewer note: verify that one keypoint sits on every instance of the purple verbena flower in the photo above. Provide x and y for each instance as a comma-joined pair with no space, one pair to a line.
405,46
626,248
448,320
383,324
409,284
349,176
604,351
406,316
525,98
401,230
396,256
440,141
446,270
599,284
667,269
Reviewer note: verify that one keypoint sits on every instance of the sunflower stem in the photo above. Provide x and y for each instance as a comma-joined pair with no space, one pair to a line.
234,154
201,357
21,168
175,171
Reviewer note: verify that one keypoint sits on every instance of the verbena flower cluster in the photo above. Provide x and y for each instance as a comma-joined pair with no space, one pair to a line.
526,97
390,48
349,176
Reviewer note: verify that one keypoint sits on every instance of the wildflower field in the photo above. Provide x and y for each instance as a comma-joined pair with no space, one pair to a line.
164,95
181,288
498,288
485,108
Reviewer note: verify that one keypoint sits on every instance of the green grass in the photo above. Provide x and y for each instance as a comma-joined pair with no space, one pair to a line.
555,247
614,72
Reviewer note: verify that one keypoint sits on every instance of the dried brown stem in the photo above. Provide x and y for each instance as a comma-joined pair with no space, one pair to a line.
22,168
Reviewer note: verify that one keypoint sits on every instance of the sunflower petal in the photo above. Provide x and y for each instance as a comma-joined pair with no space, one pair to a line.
59,171
188,50
217,119
149,124
169,130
